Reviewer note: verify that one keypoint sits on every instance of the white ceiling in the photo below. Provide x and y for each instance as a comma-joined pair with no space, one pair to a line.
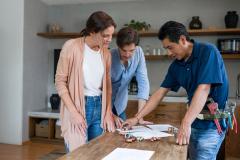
65,2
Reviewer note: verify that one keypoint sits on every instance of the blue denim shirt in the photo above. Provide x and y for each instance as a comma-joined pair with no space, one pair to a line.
121,77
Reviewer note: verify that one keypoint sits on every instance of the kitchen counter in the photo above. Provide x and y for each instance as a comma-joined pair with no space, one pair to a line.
165,99
100,147
49,113
181,99
45,113
235,100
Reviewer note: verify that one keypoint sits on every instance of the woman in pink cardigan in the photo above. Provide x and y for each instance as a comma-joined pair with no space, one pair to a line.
84,84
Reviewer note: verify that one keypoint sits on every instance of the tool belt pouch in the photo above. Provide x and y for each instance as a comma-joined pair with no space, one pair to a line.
226,114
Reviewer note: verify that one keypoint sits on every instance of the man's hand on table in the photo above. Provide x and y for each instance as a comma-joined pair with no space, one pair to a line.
184,133
141,121
129,123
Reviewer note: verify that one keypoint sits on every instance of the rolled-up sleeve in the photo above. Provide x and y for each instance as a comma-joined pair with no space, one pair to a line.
142,77
62,73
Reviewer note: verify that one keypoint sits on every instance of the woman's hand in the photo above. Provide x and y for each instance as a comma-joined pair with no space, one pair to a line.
79,123
118,121
108,122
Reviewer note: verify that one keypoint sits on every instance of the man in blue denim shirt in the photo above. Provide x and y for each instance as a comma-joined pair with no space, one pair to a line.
198,68
128,61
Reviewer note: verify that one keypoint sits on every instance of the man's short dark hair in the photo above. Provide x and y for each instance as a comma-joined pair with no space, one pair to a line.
127,36
173,30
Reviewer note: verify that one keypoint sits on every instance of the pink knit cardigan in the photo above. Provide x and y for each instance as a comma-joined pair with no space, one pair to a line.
69,80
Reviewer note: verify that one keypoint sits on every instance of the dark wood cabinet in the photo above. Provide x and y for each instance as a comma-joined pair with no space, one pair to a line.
232,140
166,112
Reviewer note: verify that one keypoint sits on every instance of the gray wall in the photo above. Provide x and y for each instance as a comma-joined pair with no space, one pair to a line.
155,12
35,60
11,70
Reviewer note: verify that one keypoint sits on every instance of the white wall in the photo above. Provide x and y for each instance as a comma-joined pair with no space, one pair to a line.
11,71
35,60
23,66
155,12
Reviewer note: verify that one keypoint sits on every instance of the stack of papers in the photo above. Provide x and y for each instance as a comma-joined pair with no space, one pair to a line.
129,154
158,131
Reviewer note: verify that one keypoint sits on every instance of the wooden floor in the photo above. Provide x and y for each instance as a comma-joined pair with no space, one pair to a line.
28,151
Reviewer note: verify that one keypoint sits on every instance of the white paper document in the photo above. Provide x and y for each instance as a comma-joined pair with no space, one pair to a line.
129,154
157,130
150,134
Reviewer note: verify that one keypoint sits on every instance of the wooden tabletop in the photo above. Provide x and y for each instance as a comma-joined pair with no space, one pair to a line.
100,147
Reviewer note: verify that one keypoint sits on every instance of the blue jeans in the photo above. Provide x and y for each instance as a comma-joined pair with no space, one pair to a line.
204,144
93,109
123,115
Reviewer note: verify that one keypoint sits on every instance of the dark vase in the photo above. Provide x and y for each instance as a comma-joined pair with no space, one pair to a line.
231,19
195,23
55,101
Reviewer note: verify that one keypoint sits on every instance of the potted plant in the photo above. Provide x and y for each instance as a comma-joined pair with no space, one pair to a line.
139,26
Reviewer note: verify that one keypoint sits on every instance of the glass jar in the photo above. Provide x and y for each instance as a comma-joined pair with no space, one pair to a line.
147,50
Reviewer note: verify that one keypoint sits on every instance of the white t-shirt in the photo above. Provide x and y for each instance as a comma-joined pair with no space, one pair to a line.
93,71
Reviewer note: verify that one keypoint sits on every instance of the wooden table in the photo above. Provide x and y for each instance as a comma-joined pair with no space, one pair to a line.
100,147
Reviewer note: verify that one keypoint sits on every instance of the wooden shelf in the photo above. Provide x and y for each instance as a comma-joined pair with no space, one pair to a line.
201,32
210,32
51,131
67,35
59,35
231,56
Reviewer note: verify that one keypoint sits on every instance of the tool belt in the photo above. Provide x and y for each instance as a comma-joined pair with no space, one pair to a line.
215,114
208,116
